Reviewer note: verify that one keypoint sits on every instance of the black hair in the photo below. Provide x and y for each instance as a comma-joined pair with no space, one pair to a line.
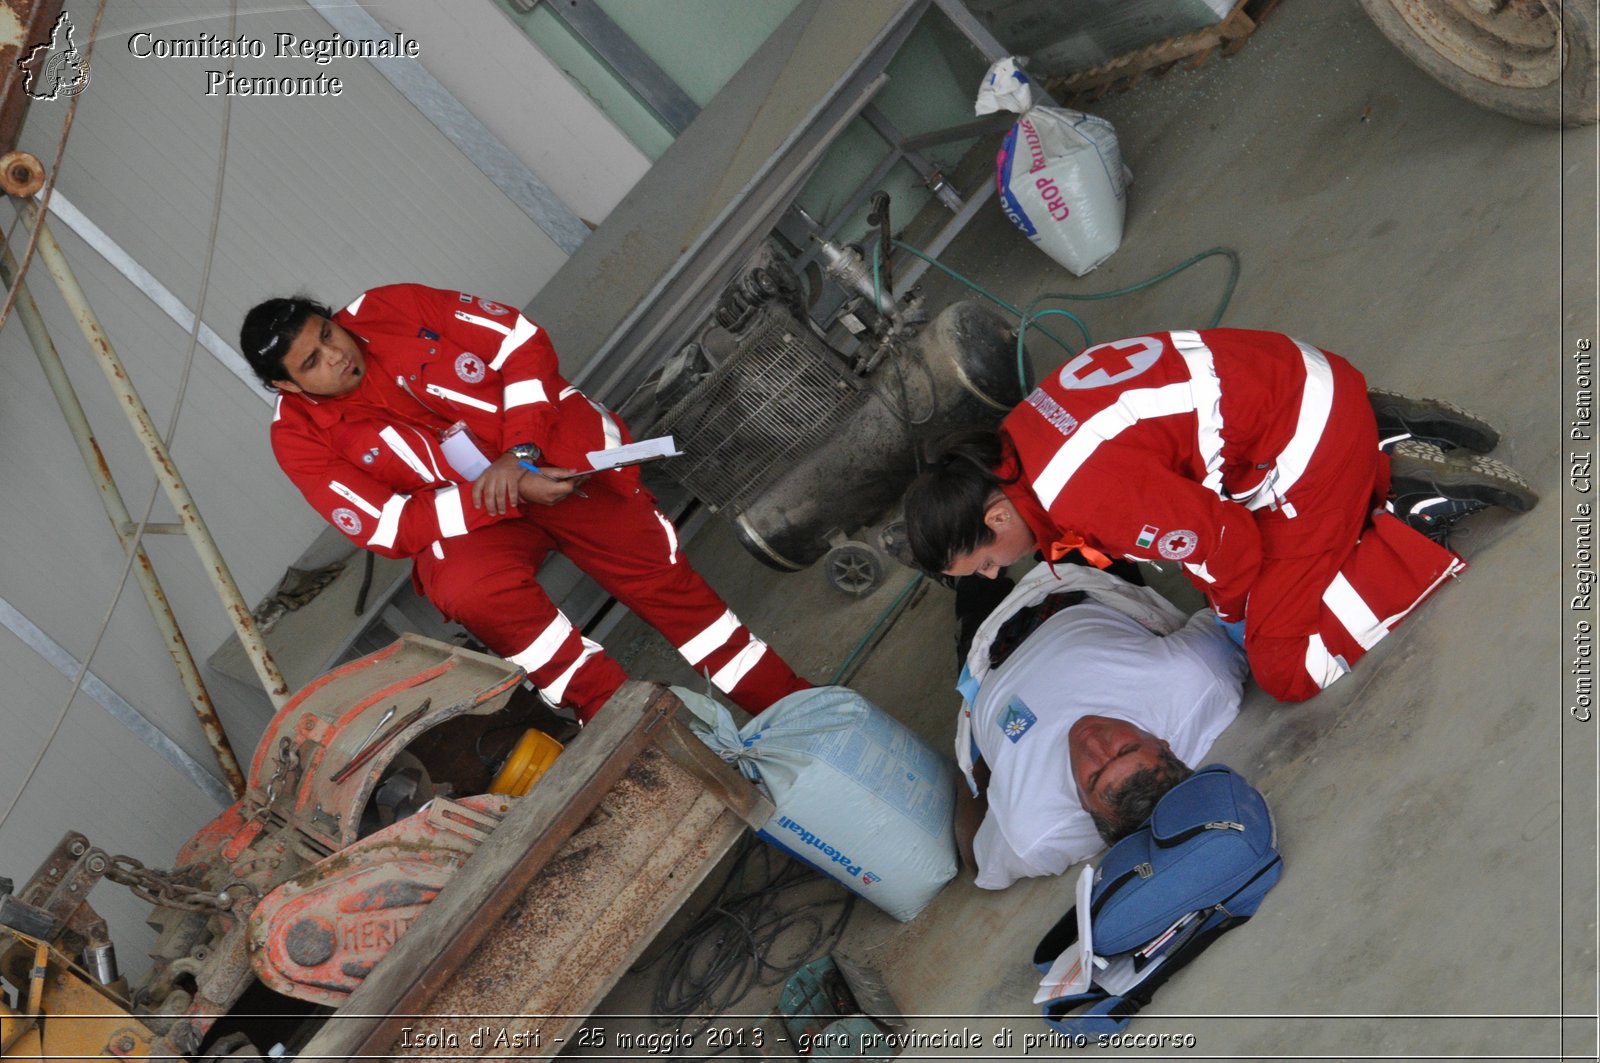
269,328
946,503
1130,804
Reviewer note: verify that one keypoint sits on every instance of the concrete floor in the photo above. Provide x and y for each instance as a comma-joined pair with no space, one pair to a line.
1436,808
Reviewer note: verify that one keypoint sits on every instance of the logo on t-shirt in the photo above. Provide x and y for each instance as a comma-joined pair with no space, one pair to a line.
347,520
1016,720
494,308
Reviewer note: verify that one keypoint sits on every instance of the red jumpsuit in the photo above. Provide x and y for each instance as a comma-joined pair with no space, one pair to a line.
1251,459
370,461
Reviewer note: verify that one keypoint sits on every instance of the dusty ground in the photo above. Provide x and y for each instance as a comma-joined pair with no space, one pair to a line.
1436,808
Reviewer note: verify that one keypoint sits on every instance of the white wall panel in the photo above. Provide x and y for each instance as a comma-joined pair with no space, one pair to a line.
329,195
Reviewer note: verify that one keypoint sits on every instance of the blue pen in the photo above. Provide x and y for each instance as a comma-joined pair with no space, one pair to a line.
531,467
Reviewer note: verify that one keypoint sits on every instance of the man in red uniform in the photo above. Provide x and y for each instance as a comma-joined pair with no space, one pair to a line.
1249,458
366,395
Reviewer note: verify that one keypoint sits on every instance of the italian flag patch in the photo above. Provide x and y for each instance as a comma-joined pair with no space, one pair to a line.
1147,536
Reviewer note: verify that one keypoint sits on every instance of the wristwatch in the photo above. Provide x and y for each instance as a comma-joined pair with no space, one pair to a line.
525,452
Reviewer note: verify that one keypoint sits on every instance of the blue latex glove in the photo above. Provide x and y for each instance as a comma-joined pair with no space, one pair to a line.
1234,631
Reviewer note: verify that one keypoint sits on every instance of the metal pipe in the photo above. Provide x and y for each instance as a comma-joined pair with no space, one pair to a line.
122,523
144,428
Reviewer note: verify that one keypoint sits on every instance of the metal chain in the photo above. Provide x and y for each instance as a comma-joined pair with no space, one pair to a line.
288,763
164,888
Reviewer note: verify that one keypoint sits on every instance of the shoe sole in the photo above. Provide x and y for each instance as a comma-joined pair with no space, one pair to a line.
1434,418
1422,466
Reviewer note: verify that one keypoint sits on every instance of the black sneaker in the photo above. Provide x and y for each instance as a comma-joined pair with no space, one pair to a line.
1432,489
1433,421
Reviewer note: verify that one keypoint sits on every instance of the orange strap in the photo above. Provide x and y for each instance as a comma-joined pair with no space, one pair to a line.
1070,542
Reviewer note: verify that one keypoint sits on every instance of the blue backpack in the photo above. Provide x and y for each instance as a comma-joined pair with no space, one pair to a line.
1198,868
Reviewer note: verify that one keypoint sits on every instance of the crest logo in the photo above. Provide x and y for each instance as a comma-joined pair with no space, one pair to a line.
1016,720
56,68
470,368
493,308
348,520
1177,545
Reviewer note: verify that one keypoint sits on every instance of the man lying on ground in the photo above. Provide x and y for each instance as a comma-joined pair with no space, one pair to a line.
1087,699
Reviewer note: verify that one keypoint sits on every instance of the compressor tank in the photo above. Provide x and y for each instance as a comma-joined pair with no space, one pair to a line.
958,372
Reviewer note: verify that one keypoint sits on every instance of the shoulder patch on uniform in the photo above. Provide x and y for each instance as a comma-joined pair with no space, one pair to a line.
1111,363
348,520
1177,545
1147,536
493,308
1016,720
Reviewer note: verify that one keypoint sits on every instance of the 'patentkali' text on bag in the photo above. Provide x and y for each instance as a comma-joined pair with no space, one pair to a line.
858,795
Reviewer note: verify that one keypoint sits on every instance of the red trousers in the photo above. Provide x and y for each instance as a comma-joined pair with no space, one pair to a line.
485,581
1313,612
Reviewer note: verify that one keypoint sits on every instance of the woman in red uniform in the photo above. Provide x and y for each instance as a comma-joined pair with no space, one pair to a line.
366,395
1252,460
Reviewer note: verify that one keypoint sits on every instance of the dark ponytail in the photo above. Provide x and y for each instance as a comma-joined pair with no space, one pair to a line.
946,503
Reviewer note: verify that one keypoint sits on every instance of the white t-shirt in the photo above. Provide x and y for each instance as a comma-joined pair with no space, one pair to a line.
1087,660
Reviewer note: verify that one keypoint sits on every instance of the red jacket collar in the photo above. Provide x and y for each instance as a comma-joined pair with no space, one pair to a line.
1055,542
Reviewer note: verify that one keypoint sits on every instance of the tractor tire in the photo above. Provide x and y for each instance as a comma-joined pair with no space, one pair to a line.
1531,59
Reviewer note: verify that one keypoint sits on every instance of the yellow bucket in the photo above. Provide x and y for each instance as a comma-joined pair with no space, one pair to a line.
532,756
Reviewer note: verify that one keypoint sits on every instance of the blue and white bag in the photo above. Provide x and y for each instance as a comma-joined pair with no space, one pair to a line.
1197,869
859,796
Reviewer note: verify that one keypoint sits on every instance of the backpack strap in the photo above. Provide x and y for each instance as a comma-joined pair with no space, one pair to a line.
1108,1014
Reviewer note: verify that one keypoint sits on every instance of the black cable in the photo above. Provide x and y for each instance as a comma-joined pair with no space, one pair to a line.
730,948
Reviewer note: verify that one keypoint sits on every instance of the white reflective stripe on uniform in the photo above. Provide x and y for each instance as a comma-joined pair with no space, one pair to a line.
555,690
465,400
567,392
407,455
438,549
672,537
1200,571
447,507
1323,667
521,331
354,499
542,650
1207,404
729,675
524,393
277,407
1316,401
608,426
388,522
1346,603
708,641
355,307
1130,409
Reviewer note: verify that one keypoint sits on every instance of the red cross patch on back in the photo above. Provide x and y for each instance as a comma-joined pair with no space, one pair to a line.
1110,363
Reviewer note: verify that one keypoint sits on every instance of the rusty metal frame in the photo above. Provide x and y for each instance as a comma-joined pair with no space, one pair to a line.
35,22
144,428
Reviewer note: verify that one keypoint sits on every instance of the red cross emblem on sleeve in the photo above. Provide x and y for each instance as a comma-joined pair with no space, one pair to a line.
1110,363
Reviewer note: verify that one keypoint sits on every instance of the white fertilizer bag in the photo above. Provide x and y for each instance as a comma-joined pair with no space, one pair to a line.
1059,173
859,797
